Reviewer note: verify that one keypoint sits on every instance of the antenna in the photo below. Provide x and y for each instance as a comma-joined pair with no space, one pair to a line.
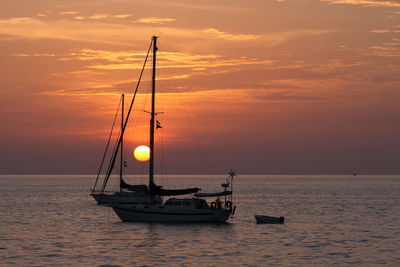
232,173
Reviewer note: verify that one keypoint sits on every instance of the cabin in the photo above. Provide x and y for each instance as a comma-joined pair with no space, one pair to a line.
186,203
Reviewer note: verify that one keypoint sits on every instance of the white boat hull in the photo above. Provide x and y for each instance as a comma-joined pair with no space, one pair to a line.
129,213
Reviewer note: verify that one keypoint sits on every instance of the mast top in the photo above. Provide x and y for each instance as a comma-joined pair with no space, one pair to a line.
154,38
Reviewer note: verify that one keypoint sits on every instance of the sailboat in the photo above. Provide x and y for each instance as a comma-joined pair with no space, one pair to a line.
191,209
127,193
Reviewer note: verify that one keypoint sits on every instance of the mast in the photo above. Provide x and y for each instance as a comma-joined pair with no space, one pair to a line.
121,167
153,113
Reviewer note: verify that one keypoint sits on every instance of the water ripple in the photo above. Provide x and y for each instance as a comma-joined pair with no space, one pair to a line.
329,221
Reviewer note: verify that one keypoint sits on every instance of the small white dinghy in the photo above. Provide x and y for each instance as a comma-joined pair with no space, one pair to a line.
269,219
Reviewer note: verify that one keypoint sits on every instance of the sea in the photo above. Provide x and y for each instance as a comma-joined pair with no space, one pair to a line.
51,220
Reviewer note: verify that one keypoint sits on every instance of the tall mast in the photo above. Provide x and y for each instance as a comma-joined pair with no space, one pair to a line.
122,143
153,113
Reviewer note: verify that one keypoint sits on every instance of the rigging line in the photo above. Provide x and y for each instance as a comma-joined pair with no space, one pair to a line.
206,165
162,144
142,118
108,143
160,159
162,163
160,132
114,151
127,116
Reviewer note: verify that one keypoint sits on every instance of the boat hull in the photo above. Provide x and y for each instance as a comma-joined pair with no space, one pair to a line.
128,213
269,219
117,197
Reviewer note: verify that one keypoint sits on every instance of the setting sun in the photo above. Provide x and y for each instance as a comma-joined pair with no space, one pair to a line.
142,153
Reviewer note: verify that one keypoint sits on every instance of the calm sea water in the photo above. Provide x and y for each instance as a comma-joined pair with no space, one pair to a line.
330,220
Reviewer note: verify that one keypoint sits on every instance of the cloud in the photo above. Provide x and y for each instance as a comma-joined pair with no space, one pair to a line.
380,31
99,16
228,36
371,3
267,39
153,20
20,55
384,51
119,60
33,28
396,28
121,16
33,55
83,29
102,16
109,56
81,92
287,95
111,32
213,6
68,13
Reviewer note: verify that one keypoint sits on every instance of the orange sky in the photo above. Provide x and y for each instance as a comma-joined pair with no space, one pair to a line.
261,86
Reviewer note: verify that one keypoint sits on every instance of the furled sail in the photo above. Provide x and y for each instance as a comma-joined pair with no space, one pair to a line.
157,190
217,194
135,188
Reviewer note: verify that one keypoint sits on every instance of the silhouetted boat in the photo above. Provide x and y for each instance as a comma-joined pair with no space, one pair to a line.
127,193
269,219
107,197
177,210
